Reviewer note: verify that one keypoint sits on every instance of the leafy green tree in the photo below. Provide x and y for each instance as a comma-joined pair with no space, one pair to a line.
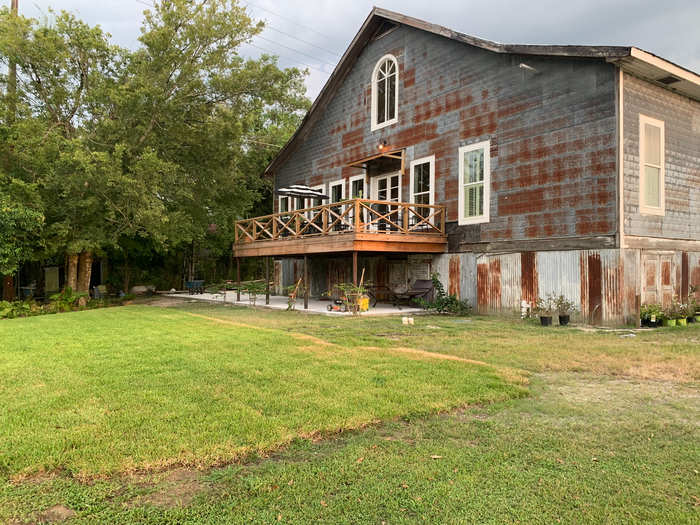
20,227
159,143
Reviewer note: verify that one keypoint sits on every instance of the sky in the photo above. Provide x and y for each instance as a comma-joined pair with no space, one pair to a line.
314,34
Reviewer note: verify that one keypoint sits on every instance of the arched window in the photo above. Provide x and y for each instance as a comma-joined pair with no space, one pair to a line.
385,92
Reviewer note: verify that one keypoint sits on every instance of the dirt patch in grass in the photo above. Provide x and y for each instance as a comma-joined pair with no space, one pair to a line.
177,489
55,514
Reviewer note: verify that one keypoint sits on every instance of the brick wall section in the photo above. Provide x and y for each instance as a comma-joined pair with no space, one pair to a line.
553,134
681,117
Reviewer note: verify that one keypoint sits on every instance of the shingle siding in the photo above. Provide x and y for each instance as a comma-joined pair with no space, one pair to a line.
552,132
681,117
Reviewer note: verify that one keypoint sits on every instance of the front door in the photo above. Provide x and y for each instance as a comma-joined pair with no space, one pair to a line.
387,188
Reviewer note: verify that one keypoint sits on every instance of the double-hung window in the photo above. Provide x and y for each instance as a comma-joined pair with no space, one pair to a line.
422,184
474,182
385,92
651,166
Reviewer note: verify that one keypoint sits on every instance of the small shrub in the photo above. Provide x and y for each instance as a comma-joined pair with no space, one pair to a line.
651,313
443,303
545,307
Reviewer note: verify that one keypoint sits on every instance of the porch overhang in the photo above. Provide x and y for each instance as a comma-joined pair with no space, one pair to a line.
345,242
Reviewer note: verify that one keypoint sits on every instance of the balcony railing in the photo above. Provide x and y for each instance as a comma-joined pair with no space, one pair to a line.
351,216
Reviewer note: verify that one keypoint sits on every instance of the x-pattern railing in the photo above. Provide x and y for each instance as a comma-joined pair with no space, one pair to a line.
357,215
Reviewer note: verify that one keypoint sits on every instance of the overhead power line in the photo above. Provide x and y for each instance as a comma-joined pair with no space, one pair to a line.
294,50
336,55
289,20
289,59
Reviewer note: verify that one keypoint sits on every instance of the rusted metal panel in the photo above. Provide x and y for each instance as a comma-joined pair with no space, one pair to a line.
454,276
612,285
482,286
595,288
694,271
528,277
685,276
559,273
511,282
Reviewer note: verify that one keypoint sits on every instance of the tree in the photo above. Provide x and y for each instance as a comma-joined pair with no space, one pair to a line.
158,143
20,227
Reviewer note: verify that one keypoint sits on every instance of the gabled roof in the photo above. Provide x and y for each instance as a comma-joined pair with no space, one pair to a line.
629,58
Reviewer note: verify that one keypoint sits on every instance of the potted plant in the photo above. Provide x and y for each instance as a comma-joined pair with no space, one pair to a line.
693,306
651,315
545,308
564,308
683,313
671,314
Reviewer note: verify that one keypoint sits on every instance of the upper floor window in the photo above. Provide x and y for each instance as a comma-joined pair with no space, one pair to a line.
474,182
651,166
385,92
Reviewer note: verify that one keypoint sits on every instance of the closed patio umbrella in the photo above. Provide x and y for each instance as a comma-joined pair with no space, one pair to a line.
299,190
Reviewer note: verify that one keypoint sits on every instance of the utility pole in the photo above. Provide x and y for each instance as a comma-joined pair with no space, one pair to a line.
12,75
8,288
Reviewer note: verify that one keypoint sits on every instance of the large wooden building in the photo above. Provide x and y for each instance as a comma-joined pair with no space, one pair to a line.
513,171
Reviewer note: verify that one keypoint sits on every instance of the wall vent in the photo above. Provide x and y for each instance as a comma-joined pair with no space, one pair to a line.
670,79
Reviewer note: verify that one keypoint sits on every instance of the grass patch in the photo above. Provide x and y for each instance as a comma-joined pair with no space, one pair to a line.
136,388
148,400
669,354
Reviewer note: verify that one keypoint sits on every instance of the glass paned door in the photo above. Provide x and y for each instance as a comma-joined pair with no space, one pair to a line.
387,188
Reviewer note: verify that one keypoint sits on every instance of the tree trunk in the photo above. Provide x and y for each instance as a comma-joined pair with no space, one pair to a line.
84,275
72,272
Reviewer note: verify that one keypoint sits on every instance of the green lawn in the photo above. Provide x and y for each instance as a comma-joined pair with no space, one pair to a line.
151,415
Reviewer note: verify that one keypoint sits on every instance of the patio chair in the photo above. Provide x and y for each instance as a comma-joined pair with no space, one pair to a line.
422,288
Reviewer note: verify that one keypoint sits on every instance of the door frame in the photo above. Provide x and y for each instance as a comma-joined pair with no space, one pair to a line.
374,185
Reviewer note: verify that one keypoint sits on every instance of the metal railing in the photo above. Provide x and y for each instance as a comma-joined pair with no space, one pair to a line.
356,216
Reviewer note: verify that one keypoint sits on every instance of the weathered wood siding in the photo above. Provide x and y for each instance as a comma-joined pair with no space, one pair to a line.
681,117
552,132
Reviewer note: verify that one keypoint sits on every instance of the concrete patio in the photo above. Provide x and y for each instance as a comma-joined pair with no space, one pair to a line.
278,302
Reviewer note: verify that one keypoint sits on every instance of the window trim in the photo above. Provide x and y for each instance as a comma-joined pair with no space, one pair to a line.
365,186
331,185
486,146
374,106
279,203
425,160
644,209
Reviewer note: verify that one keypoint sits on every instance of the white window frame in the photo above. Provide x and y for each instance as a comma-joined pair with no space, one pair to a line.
486,146
374,125
644,208
289,203
425,160
365,186
331,185
375,184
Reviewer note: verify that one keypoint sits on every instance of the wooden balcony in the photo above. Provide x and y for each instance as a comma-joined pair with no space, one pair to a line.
358,225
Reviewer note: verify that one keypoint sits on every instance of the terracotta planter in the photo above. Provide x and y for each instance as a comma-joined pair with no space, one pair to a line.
564,319
546,320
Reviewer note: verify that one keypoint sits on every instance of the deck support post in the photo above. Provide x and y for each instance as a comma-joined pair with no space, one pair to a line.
267,280
238,279
306,282
354,268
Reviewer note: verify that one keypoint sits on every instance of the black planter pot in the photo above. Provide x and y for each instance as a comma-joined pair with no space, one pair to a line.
692,319
564,319
545,320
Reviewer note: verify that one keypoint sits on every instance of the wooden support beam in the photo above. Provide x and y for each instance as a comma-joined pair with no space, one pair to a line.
238,279
306,282
354,268
267,280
